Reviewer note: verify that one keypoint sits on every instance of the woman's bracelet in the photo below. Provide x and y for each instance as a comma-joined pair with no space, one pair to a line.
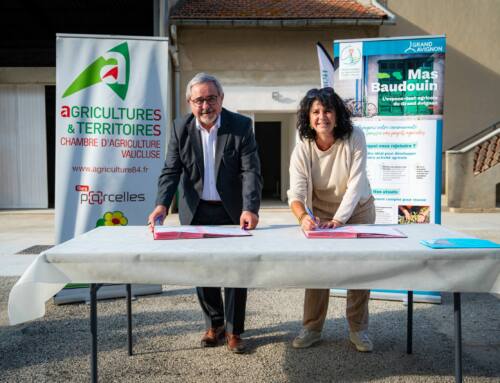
301,217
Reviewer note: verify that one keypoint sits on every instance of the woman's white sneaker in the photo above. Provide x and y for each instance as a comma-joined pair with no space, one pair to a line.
306,338
361,340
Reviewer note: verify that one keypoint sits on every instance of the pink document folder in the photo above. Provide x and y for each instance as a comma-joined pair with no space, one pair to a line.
356,231
194,232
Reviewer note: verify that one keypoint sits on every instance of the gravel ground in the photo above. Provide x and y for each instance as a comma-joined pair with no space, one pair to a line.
168,326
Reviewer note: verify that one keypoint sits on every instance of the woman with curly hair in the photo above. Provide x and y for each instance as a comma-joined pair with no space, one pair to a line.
328,175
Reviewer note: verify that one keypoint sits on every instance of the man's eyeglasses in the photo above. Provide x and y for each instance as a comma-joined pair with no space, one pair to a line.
210,100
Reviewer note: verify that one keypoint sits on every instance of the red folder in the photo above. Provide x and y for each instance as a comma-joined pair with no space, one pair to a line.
356,231
195,232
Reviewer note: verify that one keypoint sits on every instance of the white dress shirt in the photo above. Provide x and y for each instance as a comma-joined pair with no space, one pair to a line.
209,142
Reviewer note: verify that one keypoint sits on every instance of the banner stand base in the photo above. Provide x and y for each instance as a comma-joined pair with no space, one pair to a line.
107,291
396,295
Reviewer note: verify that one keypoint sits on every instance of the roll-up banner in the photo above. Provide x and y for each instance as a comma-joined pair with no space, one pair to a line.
394,88
325,66
111,108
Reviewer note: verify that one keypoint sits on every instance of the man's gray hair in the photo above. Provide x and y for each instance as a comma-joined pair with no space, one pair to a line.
201,78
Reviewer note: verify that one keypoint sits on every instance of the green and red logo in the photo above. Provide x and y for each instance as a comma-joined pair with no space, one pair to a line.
112,68
112,218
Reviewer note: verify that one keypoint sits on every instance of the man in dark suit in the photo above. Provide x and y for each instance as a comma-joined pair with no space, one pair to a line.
213,154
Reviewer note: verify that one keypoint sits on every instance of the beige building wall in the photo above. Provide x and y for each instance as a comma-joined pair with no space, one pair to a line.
24,75
265,72
466,190
258,57
472,75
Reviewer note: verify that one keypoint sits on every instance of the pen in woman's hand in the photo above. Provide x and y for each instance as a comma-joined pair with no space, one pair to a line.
310,214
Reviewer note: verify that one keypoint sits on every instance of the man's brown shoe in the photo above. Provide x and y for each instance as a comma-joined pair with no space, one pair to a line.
212,337
235,343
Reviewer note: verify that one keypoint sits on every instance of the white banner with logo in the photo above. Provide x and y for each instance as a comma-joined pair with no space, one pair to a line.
351,61
111,121
325,66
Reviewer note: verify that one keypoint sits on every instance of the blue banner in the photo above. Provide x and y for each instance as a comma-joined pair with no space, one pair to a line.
395,88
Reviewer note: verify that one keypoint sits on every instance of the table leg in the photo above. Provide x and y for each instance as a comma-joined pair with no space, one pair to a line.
409,324
458,337
129,317
93,331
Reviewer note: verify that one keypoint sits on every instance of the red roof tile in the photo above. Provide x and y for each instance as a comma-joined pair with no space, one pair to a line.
274,9
487,154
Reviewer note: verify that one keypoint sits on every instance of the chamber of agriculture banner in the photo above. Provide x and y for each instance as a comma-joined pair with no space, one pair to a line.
111,104
394,88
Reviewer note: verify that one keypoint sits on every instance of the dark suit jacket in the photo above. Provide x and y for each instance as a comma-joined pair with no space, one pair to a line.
237,167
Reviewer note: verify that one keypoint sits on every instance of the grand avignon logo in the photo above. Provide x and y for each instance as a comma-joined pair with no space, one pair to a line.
112,68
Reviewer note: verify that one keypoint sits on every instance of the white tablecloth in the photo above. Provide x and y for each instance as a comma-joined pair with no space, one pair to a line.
275,256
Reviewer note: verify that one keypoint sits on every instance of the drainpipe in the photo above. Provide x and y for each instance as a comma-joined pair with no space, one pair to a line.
391,17
173,50
174,54
161,28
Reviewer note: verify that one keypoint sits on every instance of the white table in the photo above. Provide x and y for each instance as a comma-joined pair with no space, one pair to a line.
274,257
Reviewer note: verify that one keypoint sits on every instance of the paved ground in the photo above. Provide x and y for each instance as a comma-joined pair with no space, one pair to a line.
167,328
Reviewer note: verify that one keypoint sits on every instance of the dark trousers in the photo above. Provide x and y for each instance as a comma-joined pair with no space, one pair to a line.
210,298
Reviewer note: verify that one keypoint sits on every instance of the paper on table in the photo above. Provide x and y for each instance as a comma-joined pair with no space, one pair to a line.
356,231
194,232
457,243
